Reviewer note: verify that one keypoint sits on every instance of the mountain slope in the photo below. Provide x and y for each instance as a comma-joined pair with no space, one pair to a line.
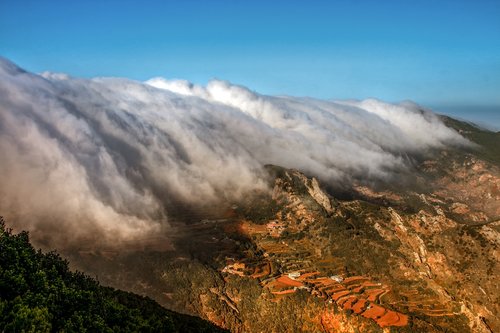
489,149
409,259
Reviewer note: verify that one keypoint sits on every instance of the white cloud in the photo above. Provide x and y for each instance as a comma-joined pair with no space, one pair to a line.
107,156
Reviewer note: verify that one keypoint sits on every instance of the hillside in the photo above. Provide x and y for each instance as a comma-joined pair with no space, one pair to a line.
487,141
422,257
38,293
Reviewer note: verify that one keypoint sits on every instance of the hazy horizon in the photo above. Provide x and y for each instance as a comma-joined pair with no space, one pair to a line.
487,117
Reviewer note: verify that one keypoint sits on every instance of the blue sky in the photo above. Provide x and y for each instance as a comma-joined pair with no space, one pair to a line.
438,53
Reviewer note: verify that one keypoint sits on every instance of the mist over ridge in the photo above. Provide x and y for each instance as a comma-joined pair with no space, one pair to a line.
107,156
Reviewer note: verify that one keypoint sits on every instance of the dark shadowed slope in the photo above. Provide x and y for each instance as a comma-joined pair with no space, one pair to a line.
488,141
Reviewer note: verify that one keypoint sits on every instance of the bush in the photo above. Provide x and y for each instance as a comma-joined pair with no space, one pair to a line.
38,293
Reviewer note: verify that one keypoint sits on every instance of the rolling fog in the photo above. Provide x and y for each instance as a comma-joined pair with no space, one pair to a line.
102,159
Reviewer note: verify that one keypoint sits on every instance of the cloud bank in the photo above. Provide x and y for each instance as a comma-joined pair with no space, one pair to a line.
107,156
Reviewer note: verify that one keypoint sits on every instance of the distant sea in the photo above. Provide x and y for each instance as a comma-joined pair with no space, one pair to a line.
485,116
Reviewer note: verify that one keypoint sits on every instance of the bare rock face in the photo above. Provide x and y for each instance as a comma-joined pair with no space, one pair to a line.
321,197
295,182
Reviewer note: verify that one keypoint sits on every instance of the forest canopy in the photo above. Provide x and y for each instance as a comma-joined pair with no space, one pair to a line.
38,293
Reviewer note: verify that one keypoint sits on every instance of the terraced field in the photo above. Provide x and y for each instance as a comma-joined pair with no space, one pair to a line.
355,293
